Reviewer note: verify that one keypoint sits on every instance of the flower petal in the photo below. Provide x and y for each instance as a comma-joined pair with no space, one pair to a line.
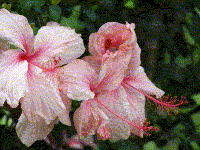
140,81
110,35
43,97
117,101
16,29
52,23
57,45
113,71
96,44
116,49
131,43
77,143
75,80
29,132
67,102
135,60
13,74
88,118
137,105
95,62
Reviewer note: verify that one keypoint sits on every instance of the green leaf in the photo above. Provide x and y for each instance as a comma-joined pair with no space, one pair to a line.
182,62
72,21
55,2
127,145
129,4
196,53
3,120
55,12
91,13
94,7
9,122
27,4
194,145
6,6
35,29
196,120
196,97
74,24
186,110
151,145
172,144
179,131
76,11
189,18
167,58
6,112
188,36
197,10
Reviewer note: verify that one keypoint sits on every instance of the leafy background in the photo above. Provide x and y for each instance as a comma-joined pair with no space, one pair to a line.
168,33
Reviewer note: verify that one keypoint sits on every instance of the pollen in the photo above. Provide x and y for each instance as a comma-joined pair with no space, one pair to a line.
52,63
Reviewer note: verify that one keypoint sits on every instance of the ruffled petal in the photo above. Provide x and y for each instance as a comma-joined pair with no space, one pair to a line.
109,37
131,43
77,143
96,44
113,71
137,104
88,118
56,45
43,97
29,132
139,80
13,75
75,80
135,60
117,101
95,62
67,102
16,29
52,23
116,43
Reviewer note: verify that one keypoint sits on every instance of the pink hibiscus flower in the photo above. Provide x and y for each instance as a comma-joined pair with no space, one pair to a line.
112,84
29,74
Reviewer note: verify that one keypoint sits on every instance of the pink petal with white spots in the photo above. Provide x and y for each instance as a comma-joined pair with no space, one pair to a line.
13,74
88,118
16,29
113,71
75,80
29,132
118,102
43,97
139,80
56,45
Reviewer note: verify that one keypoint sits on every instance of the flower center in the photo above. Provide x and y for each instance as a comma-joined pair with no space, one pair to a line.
24,57
109,46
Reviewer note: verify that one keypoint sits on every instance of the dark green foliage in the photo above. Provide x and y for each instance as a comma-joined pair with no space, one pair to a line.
168,33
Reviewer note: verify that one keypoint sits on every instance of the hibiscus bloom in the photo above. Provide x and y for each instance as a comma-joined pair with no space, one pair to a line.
29,73
112,84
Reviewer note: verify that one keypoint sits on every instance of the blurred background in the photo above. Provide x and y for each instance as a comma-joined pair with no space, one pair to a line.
168,33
